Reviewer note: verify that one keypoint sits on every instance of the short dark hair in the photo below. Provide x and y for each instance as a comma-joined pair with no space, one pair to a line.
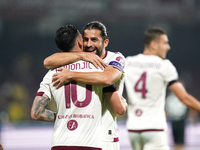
65,37
153,33
99,26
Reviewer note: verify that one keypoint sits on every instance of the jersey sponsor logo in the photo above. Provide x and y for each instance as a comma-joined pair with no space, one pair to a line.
120,60
89,116
138,112
72,125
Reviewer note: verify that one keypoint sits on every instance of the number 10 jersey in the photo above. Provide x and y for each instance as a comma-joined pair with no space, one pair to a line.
78,120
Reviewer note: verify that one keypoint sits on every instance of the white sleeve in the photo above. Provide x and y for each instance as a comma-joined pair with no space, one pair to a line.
117,61
169,71
45,84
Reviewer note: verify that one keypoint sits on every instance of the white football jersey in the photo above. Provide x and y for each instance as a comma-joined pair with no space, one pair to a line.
109,117
146,80
79,109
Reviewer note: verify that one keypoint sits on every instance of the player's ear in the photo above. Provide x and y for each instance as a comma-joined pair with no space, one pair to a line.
80,44
153,44
106,41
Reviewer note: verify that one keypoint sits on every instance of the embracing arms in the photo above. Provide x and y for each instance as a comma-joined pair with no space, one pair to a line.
106,78
63,58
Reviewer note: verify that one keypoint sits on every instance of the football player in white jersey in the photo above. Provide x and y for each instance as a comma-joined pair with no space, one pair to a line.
78,119
95,40
146,80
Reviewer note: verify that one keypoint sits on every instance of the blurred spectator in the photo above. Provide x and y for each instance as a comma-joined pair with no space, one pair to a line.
14,101
17,108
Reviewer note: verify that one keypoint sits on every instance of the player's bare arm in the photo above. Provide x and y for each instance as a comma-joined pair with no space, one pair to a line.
108,77
119,105
184,96
39,111
63,58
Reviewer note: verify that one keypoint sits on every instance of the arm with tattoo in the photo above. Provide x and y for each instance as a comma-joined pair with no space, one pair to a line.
39,111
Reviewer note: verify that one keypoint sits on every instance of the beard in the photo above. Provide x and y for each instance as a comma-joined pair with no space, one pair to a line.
99,50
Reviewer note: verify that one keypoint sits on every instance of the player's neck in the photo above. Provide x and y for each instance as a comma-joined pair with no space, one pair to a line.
103,54
148,52
76,49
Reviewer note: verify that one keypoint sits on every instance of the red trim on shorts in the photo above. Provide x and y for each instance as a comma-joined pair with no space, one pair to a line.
116,139
146,130
39,93
74,148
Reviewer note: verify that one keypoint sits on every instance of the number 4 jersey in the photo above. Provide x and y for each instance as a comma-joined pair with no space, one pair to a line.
78,120
147,77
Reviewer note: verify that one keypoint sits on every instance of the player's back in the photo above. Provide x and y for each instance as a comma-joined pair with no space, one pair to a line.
78,121
146,80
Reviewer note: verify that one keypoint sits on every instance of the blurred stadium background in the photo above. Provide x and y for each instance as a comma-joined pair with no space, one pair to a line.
27,30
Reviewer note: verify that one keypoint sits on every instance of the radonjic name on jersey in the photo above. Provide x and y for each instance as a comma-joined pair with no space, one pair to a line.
79,66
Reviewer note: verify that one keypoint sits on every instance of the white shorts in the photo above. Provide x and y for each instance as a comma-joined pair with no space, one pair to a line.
110,145
149,140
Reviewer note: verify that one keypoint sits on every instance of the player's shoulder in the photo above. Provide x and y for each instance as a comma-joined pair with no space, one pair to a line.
51,71
147,58
133,57
48,76
109,53
167,62
117,56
